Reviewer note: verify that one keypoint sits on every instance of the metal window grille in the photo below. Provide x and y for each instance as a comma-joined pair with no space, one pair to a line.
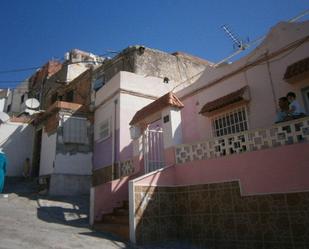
104,130
75,130
230,122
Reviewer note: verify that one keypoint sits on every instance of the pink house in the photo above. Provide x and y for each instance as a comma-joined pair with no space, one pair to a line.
217,170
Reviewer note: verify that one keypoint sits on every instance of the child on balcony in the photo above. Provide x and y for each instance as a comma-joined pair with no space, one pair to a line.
283,114
294,108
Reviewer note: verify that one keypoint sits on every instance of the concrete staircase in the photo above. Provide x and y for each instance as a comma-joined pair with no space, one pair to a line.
116,223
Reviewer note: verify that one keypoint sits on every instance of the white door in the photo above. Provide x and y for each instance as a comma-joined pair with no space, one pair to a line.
153,149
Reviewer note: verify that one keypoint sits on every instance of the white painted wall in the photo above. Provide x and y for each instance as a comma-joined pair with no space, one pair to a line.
74,70
145,84
3,99
105,112
48,153
172,128
14,98
16,141
2,104
76,164
129,105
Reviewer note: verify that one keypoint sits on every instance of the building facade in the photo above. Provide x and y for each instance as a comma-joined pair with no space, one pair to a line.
237,178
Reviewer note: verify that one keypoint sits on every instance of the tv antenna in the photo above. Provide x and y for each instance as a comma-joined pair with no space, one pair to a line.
242,46
238,43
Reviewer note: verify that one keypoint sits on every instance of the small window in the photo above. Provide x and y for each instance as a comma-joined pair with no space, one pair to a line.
22,98
69,96
75,130
104,131
99,82
230,122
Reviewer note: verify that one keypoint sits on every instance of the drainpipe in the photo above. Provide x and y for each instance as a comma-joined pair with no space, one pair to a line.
114,139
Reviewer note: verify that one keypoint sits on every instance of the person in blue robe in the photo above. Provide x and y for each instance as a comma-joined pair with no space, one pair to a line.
2,170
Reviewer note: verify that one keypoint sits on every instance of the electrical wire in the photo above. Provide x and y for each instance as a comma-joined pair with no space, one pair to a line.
19,70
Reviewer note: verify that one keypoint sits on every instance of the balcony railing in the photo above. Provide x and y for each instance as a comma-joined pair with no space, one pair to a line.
291,132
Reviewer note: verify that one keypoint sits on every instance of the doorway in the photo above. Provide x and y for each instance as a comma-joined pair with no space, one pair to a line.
36,158
153,147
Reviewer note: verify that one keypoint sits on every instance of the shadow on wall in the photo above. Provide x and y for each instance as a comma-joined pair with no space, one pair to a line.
16,141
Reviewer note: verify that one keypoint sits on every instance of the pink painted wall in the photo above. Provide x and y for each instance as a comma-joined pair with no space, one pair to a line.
166,177
263,103
110,195
189,116
169,156
278,170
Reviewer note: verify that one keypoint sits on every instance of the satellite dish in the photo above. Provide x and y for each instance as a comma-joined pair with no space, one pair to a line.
32,103
4,117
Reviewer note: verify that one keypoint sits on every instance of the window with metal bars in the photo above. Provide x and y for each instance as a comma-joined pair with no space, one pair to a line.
75,130
104,131
230,122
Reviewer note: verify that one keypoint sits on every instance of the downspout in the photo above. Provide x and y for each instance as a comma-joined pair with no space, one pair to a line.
271,82
114,159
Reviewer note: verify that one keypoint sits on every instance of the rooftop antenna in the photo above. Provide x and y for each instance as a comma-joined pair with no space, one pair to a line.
238,43
242,46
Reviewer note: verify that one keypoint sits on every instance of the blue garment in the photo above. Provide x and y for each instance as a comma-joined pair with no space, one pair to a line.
2,170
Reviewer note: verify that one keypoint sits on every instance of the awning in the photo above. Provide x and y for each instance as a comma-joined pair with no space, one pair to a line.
168,99
240,95
297,70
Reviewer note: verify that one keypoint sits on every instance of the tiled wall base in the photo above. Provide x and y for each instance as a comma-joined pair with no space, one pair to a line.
216,216
107,174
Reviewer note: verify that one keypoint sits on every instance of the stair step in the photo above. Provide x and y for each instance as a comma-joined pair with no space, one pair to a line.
115,219
125,204
121,230
121,211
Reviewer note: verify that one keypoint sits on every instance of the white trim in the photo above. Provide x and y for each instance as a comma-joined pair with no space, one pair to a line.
227,124
91,206
132,223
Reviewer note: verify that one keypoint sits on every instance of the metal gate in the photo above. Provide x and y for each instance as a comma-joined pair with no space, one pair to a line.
153,149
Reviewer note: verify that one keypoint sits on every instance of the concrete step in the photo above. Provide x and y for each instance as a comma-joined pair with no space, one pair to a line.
121,211
115,219
125,204
120,230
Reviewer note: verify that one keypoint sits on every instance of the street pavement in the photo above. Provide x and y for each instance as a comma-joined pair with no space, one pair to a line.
29,220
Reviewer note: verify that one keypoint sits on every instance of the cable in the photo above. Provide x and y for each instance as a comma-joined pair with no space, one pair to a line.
19,70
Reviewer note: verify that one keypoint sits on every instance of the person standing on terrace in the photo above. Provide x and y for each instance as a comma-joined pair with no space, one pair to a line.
295,108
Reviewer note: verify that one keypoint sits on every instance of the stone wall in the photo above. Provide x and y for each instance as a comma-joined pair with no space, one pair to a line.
217,216
145,61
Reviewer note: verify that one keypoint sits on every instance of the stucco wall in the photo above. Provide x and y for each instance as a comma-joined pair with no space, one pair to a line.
77,164
261,79
48,153
122,87
277,170
103,149
129,105
16,141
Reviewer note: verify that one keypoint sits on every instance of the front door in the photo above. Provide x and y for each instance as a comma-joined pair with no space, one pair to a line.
36,159
153,149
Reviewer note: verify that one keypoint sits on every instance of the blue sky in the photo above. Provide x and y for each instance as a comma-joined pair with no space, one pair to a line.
35,31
